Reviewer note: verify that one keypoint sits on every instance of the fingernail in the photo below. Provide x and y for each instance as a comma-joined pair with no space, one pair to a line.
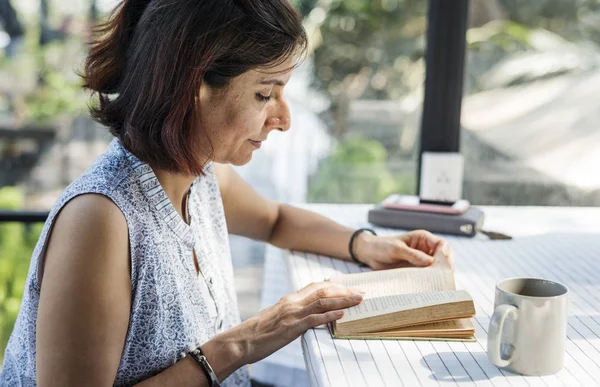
357,297
339,313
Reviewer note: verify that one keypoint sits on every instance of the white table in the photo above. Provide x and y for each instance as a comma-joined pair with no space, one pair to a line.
562,244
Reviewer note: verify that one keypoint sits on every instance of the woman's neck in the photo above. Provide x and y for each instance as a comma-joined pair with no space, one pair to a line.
176,186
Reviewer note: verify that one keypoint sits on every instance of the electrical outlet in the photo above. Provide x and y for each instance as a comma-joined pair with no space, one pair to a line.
441,176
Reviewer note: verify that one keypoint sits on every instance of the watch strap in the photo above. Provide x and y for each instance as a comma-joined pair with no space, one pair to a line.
199,357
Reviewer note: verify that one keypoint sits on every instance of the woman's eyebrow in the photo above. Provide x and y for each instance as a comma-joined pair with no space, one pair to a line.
271,82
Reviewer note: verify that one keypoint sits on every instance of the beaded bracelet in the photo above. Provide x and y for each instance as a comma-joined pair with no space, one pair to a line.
350,245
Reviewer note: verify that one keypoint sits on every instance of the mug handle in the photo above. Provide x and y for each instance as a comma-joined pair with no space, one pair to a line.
494,333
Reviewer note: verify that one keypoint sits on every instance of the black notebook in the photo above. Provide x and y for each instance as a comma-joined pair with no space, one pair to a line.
466,224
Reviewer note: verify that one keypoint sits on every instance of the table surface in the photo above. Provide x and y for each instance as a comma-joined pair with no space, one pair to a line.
561,244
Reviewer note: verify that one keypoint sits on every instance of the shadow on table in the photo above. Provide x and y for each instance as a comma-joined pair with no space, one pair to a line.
565,257
455,372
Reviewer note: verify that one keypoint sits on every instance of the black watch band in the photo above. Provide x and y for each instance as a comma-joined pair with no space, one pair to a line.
199,357
351,244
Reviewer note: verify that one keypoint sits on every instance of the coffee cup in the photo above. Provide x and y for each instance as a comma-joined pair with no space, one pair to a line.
528,328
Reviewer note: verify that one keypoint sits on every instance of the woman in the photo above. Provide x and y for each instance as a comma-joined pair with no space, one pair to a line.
131,280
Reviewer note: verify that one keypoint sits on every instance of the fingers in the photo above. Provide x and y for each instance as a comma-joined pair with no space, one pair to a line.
326,310
316,290
315,320
324,305
396,264
315,286
309,289
334,291
415,256
443,249
450,258
429,244
425,241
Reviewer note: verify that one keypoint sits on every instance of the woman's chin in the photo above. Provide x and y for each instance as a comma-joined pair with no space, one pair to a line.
241,159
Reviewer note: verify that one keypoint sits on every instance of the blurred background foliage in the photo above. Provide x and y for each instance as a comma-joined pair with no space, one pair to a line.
357,172
361,50
39,84
374,50
17,242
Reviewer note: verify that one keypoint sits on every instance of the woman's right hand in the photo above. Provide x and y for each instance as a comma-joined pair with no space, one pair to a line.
273,328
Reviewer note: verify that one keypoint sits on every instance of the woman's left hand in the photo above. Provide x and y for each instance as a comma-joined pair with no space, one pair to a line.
413,248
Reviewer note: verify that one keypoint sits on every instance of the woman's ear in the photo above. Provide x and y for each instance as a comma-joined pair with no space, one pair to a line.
204,94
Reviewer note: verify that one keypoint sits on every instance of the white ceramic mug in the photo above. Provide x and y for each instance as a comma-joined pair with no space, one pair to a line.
528,329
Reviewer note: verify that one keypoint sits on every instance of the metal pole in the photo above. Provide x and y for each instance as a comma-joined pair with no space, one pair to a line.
445,58
44,24
93,14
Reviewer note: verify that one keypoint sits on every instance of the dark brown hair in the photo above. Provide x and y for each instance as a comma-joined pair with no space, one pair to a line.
149,59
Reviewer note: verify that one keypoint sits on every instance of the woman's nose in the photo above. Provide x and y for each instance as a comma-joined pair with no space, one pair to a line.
280,121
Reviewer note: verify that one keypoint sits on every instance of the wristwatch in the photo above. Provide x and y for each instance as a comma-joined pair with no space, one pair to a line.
199,357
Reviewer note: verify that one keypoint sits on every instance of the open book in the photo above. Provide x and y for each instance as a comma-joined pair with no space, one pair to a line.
407,303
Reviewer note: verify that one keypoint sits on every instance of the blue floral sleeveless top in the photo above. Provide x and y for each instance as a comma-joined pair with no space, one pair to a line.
173,308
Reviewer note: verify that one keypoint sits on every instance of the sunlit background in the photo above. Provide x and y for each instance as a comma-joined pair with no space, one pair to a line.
530,114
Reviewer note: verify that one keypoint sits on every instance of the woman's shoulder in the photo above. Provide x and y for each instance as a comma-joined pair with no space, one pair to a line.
110,175
87,217
110,170
93,211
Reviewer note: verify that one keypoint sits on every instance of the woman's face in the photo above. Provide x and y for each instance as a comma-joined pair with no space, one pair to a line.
238,118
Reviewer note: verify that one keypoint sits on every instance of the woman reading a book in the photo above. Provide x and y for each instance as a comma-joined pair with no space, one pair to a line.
131,282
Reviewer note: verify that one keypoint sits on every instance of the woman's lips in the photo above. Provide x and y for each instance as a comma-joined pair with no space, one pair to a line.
256,144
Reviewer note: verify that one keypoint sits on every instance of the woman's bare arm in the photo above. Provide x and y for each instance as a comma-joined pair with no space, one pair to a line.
251,215
85,304
85,296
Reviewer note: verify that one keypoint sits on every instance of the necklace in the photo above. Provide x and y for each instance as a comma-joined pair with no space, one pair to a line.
184,208
188,219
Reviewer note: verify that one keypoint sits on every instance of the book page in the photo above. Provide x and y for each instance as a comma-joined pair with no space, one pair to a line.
461,328
448,325
435,278
371,307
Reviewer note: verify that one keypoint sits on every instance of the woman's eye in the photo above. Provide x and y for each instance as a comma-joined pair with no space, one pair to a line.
263,98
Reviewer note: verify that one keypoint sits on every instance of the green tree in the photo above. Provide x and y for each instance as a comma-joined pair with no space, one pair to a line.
357,173
375,49
17,242
368,49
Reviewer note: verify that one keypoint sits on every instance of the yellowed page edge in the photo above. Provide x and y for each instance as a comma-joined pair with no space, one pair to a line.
373,307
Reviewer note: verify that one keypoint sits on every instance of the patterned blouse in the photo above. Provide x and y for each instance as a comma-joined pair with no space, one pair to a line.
172,308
